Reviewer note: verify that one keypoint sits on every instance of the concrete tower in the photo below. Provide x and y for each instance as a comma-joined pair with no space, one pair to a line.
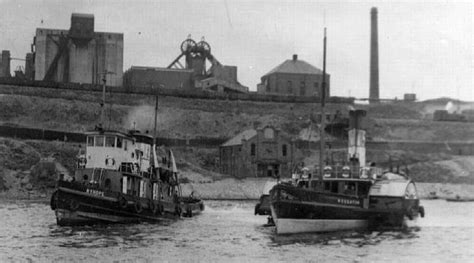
374,56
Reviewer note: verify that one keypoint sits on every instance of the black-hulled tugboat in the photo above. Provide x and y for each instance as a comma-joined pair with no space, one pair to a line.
121,179
345,196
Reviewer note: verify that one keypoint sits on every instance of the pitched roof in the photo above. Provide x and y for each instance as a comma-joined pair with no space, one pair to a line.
295,66
237,140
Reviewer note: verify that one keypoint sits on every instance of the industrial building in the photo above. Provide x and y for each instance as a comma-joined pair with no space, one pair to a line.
257,153
157,78
78,55
188,71
5,64
294,77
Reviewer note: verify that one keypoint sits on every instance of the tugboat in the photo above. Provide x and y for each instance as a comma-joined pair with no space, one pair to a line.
346,196
120,179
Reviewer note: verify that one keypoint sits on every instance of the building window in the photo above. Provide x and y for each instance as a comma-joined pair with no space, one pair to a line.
302,88
268,133
252,149
289,87
284,150
119,142
316,88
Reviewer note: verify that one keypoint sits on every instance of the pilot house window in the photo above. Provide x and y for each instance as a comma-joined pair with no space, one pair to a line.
99,141
109,141
90,141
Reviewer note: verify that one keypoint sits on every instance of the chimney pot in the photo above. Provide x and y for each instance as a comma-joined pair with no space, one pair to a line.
295,57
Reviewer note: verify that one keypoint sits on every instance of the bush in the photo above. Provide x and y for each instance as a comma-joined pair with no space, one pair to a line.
43,175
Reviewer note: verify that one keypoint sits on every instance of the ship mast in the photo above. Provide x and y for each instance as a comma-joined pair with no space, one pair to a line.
323,117
102,103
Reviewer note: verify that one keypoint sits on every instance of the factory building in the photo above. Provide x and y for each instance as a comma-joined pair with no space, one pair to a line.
5,64
257,153
158,77
78,55
294,77
189,70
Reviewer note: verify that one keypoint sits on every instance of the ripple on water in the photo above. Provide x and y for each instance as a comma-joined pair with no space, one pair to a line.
229,231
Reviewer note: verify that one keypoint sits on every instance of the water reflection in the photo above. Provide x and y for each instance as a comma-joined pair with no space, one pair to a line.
229,230
350,238
102,236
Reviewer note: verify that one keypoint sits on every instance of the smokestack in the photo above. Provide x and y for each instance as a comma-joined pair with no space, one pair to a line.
374,56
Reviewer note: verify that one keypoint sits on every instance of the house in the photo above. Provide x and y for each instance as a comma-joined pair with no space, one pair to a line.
257,153
294,77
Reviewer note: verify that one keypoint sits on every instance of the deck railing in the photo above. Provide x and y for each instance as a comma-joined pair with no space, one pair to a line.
348,172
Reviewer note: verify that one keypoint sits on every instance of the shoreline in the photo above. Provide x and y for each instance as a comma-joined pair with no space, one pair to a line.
250,189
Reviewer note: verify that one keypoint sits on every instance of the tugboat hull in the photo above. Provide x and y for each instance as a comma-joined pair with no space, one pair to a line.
75,205
297,210
294,226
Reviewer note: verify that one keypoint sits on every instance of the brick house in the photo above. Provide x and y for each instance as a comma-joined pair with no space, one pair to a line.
294,77
257,153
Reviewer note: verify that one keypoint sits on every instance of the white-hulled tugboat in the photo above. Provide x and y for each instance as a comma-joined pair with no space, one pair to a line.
345,196
120,179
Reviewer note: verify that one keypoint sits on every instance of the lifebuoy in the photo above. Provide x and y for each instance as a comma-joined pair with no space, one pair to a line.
138,207
327,171
346,170
364,173
122,202
73,205
112,161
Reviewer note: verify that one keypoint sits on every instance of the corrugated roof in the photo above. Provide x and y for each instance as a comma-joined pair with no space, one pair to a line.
237,140
296,67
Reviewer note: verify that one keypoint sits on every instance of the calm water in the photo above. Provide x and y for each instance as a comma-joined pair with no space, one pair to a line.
228,231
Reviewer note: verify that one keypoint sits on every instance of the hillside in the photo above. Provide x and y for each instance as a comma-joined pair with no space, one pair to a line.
190,118
23,166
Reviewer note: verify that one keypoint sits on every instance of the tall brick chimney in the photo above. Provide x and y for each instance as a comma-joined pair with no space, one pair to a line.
374,56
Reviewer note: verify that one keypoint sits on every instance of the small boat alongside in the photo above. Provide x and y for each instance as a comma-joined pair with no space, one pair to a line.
460,199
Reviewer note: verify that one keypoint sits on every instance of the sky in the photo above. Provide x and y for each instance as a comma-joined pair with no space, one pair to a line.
425,47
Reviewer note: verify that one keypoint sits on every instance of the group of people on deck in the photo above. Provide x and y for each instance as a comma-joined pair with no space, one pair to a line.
301,177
